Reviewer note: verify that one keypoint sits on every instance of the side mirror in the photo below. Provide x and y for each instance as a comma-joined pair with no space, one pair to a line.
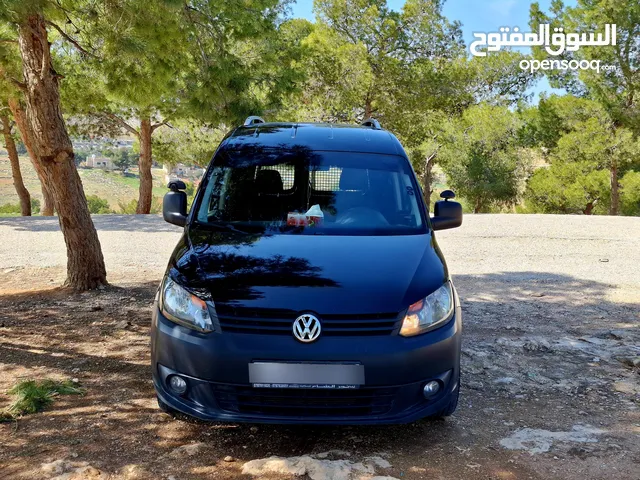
447,214
174,204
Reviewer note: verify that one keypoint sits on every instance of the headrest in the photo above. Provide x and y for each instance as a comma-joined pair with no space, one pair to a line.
353,179
268,182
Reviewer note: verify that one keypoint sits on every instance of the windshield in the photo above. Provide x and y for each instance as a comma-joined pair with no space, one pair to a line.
311,193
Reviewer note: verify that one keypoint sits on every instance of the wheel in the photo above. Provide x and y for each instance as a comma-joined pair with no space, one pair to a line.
450,407
165,408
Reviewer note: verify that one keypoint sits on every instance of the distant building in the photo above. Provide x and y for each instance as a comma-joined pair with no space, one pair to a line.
103,163
182,172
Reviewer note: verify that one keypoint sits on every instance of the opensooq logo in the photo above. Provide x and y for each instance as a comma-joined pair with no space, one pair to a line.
561,41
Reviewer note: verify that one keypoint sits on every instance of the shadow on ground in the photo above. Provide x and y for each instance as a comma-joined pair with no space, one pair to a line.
101,338
135,223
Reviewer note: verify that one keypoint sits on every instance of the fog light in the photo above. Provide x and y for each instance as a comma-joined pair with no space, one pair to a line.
431,388
177,384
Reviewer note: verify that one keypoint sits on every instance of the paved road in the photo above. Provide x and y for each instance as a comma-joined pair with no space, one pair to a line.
602,249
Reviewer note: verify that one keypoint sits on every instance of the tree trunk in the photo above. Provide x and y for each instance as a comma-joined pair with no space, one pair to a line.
20,117
427,178
368,109
588,210
54,152
144,167
21,190
615,194
478,206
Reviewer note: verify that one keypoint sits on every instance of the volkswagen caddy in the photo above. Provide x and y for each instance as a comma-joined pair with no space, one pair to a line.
307,286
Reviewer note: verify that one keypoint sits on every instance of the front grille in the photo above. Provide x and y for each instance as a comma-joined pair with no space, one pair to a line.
279,322
304,402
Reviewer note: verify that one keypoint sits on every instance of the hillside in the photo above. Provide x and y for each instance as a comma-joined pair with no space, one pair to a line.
112,186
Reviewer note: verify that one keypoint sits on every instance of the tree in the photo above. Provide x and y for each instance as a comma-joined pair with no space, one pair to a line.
10,93
580,131
615,89
123,160
482,158
584,163
12,152
140,66
51,143
187,142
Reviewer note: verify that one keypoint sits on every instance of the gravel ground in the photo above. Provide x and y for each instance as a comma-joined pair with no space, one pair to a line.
551,363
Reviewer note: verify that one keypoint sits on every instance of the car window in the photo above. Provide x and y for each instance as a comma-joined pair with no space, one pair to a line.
332,193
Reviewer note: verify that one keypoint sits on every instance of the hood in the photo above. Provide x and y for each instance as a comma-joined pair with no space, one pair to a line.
318,273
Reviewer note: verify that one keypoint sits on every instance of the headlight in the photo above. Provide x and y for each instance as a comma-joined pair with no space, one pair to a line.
181,306
426,314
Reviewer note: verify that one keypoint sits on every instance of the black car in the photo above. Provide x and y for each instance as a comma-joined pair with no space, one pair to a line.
308,286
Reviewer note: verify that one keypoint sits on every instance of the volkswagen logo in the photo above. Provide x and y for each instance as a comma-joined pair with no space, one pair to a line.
306,328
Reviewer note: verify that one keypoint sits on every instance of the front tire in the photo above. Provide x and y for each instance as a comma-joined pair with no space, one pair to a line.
165,408
450,407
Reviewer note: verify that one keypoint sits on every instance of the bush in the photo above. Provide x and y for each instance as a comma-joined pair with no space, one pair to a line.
98,205
10,209
129,208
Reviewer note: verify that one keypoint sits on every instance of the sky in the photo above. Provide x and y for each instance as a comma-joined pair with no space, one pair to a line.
475,16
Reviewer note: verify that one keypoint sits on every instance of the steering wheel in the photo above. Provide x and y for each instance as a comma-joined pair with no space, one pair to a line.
362,217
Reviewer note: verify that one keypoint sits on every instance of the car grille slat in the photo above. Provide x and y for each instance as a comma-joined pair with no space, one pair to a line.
279,322
304,402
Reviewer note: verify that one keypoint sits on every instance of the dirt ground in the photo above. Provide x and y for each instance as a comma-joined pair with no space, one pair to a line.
551,363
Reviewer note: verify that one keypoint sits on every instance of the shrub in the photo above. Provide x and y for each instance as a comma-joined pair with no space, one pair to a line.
98,205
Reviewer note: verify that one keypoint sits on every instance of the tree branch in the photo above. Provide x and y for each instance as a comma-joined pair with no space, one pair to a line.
20,85
71,40
123,124
157,125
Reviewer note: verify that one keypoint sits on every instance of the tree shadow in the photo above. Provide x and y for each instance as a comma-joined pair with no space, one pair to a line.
76,336
127,223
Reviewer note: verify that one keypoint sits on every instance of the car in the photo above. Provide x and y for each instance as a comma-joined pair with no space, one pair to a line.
307,287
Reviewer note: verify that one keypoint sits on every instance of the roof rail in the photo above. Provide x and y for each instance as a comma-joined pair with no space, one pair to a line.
252,120
371,122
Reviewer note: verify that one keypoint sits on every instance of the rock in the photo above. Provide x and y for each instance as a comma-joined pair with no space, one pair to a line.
188,450
629,361
536,345
55,467
474,385
505,380
95,308
123,324
229,458
253,429
161,417
315,469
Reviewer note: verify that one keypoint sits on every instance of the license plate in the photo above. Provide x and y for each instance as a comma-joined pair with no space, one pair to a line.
306,375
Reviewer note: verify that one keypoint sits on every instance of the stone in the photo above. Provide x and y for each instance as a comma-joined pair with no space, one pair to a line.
229,458
188,450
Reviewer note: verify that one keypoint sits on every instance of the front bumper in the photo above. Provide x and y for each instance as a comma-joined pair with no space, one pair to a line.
215,366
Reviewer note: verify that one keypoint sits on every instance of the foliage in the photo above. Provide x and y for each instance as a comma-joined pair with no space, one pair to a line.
630,201
582,145
35,395
616,89
186,142
98,205
482,158
129,208
124,159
